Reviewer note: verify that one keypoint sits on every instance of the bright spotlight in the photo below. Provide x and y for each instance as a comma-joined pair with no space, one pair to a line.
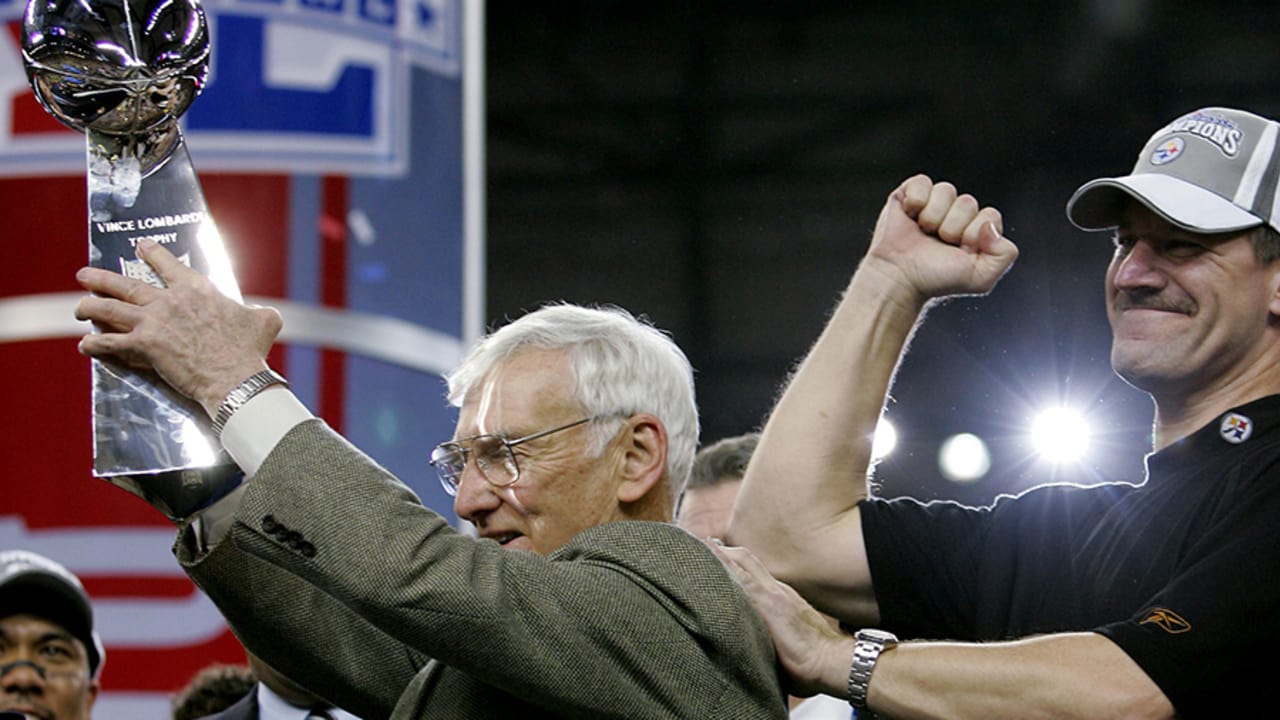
884,441
964,458
1060,435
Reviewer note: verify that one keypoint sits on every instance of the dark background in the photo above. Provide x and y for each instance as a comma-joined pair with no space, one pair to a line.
718,167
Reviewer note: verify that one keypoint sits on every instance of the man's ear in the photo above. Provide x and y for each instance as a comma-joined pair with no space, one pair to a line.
91,696
1274,305
644,457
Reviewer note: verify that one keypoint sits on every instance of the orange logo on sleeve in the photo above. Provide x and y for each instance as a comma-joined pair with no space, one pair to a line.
1167,620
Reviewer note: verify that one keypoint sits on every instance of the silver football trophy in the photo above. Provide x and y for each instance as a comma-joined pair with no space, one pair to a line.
123,72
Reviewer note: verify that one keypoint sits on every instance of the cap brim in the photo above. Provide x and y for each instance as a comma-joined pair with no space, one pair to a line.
1098,204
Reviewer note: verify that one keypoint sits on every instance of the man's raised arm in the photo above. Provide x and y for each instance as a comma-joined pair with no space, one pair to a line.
798,506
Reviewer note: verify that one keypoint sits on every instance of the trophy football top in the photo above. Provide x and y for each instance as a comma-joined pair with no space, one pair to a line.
127,69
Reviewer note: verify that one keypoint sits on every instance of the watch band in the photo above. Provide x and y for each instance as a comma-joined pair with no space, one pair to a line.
866,651
242,394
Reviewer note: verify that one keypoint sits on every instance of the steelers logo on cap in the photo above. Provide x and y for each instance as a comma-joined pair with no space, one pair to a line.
1167,151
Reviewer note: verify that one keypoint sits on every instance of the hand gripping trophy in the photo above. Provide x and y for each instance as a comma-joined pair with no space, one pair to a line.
123,72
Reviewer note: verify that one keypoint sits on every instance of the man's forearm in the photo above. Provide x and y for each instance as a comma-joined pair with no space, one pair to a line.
1074,675
1066,675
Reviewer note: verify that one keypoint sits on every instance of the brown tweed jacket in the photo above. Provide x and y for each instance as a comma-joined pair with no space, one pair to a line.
336,575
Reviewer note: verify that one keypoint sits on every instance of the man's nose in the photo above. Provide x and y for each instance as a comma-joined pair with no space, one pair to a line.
475,496
1139,267
21,674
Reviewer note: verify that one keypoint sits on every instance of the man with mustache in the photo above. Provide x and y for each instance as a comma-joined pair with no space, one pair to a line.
1132,601
576,430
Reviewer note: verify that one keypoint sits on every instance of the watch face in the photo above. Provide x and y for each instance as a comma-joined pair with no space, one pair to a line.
879,636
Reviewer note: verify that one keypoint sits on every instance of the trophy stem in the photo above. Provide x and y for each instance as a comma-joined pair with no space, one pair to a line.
142,428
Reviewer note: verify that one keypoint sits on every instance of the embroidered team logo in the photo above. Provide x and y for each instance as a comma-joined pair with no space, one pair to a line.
1235,428
140,270
1167,620
1168,151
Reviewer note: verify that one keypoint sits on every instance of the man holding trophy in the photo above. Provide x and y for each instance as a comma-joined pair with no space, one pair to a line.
326,566
330,569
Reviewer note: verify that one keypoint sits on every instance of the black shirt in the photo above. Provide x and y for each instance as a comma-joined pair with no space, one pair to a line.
1182,572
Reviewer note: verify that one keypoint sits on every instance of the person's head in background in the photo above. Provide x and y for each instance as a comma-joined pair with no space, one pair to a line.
288,690
707,502
212,690
50,656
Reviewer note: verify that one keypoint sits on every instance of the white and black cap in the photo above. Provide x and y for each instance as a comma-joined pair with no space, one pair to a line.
33,584
1210,171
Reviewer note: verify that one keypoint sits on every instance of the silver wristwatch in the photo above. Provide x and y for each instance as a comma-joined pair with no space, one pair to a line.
242,394
866,651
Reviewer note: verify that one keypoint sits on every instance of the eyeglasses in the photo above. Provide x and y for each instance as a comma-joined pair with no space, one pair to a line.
493,454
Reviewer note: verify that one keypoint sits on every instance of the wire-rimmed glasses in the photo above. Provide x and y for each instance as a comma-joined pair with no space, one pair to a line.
493,455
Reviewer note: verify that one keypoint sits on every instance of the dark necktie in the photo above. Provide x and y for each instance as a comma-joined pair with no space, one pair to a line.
319,714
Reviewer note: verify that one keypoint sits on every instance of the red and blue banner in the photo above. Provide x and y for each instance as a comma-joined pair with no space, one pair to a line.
338,147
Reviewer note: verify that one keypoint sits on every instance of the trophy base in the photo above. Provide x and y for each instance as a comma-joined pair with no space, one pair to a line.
179,494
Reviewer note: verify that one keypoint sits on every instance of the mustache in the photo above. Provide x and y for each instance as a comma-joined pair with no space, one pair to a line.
1141,300
25,699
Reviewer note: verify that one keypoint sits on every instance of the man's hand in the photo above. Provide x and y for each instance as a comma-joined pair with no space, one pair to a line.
937,243
813,652
201,342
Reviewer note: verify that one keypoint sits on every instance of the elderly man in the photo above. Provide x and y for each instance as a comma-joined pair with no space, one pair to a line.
50,656
1111,601
576,430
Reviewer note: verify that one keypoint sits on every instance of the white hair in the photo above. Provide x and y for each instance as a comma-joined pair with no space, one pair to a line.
621,366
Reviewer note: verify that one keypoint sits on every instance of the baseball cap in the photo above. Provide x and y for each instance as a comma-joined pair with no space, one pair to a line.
31,583
1210,171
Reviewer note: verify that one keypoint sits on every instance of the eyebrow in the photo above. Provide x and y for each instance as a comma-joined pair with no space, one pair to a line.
58,634
479,435
62,635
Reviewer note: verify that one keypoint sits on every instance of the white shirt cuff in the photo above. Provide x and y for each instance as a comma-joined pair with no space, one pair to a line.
260,424
249,437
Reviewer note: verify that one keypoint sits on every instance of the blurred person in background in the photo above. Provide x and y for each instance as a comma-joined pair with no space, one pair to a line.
50,656
704,511
212,690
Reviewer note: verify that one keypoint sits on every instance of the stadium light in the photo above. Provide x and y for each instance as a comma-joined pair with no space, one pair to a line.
1060,435
885,440
964,458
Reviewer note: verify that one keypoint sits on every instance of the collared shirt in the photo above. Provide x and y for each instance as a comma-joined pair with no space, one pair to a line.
273,707
823,707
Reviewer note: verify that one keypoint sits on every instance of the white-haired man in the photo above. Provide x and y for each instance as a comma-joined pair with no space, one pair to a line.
575,433
1128,601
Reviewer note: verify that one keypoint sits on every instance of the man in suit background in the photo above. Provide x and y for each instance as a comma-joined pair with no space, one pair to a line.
276,697
707,501
50,656
575,435
212,689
